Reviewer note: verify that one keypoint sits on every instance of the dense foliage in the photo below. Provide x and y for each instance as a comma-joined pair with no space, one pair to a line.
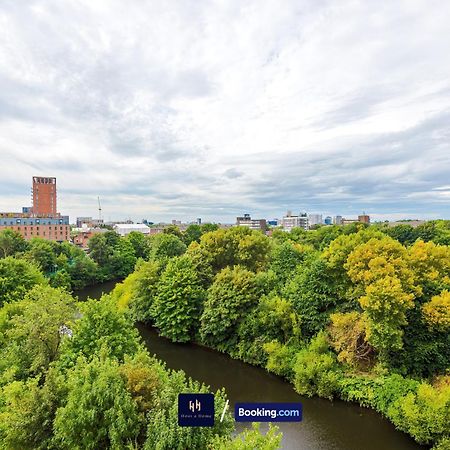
356,312
78,377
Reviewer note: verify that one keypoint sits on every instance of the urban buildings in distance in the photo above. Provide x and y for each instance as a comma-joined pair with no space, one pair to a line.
253,224
42,219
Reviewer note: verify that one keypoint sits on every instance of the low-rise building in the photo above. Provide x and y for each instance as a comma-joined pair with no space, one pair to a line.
253,224
126,228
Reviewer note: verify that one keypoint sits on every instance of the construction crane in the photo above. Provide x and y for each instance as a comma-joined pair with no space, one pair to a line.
99,210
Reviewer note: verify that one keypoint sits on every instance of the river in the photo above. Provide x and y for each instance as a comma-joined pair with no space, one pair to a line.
326,425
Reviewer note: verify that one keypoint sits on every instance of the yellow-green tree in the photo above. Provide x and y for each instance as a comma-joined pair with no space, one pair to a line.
437,311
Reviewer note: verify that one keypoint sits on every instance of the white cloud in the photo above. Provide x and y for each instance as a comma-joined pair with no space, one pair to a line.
186,108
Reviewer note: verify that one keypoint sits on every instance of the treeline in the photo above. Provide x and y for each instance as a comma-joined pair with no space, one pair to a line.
108,257
345,312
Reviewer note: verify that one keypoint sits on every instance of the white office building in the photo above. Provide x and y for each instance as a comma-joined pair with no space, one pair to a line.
315,219
126,228
290,221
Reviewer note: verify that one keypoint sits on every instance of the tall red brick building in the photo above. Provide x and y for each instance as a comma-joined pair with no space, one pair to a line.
44,196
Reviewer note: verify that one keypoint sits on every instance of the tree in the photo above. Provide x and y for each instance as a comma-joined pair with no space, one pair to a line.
139,243
348,336
405,234
83,271
193,233
385,304
313,293
315,369
61,279
251,439
173,230
233,294
437,311
340,248
431,265
99,411
42,253
235,246
11,243
274,319
99,249
178,303
164,246
138,290
30,408
285,257
122,260
17,276
35,334
101,324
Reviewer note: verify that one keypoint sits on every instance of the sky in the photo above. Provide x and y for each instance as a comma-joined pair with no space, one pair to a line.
184,109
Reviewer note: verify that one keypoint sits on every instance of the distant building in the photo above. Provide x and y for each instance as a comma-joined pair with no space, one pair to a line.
42,219
337,220
253,224
44,196
349,221
126,228
314,219
81,236
273,222
290,221
411,223
199,220
364,218
83,221
328,220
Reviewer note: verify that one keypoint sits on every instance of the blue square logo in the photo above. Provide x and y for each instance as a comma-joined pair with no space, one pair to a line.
196,410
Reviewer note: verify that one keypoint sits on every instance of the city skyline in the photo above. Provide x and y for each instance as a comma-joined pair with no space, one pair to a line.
179,110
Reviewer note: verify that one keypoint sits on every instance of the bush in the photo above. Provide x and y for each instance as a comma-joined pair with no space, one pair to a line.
315,370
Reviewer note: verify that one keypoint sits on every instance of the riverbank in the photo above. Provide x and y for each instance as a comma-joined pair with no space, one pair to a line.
335,425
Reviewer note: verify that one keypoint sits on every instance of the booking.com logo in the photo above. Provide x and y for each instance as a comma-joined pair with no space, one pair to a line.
268,412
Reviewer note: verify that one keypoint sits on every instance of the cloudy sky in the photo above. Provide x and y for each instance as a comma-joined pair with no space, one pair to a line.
184,109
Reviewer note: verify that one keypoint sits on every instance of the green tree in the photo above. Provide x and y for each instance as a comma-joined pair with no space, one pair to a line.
99,249
34,334
29,412
251,439
42,253
233,294
234,246
313,293
17,276
122,260
274,319
83,271
285,257
61,279
178,303
164,246
11,243
99,411
139,243
101,324
193,233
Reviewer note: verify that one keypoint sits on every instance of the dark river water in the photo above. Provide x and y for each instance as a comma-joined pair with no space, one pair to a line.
326,425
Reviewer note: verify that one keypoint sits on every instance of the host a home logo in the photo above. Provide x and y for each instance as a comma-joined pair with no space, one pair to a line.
196,410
